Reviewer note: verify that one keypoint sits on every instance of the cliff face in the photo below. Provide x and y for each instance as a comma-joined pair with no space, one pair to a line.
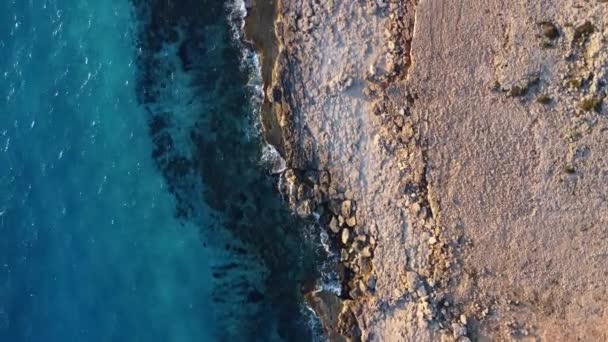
469,139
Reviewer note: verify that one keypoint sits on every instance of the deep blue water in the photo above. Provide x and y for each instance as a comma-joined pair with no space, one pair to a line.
133,203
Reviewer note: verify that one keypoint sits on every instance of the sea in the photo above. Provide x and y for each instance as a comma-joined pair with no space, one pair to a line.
138,199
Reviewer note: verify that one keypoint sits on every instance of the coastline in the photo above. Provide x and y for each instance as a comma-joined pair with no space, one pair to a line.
259,31
374,113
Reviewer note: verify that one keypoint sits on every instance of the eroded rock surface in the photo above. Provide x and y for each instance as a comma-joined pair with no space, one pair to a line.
466,143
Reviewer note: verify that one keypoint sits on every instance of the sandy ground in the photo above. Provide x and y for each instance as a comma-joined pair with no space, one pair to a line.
472,139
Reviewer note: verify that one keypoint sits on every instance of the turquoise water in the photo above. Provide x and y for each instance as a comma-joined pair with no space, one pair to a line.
133,203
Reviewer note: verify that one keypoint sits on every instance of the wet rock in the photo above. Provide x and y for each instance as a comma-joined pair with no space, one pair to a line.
324,180
304,208
312,176
333,225
304,192
328,307
343,255
290,176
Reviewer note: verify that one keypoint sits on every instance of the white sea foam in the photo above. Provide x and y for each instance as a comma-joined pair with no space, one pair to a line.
249,64
271,158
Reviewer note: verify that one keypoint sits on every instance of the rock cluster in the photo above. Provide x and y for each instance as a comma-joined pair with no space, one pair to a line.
308,194
356,249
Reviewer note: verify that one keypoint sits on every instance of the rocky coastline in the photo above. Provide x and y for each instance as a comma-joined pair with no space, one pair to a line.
370,102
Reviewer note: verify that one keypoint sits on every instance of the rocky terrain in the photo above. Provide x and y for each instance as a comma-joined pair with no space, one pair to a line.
456,152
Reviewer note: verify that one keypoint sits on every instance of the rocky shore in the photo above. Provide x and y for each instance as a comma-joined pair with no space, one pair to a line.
456,154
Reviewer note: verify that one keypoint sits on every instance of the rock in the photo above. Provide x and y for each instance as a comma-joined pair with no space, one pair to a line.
304,192
415,208
355,293
365,265
458,330
550,30
463,319
312,176
324,179
362,286
351,221
346,208
341,221
432,240
289,175
328,308
421,291
371,283
366,252
304,208
345,236
413,281
343,255
334,227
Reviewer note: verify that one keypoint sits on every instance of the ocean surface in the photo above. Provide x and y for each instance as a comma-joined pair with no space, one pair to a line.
136,198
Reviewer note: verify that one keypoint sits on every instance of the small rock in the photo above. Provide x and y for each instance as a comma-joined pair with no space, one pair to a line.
372,240
432,240
333,225
365,265
421,291
355,293
413,281
458,330
304,208
366,252
343,255
550,30
415,207
346,208
341,221
372,70
463,319
345,236
351,221
312,176
362,286
371,283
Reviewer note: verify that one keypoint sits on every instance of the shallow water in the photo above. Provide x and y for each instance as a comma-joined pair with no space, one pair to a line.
133,202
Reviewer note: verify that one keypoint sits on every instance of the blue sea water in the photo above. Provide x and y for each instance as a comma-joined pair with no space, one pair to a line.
133,204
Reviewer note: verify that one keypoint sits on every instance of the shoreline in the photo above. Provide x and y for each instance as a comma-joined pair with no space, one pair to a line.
414,176
260,32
